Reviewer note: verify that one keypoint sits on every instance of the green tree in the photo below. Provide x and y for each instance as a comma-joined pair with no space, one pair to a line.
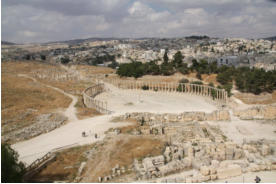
167,69
42,57
165,57
12,170
228,88
65,60
178,59
184,80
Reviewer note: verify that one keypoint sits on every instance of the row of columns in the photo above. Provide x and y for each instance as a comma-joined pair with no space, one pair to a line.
219,94
56,76
90,102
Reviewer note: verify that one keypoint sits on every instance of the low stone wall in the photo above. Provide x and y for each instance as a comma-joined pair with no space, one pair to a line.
221,115
257,113
90,101
202,90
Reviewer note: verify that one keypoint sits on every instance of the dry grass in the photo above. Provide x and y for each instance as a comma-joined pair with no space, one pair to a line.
122,150
71,87
65,167
249,98
25,67
20,94
90,70
212,78
173,78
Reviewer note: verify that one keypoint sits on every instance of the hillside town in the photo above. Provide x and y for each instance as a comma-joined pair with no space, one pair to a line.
237,52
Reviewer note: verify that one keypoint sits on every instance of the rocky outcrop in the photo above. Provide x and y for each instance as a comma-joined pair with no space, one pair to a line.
43,123
257,113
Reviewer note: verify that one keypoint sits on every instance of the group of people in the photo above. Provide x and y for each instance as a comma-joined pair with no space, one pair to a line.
85,135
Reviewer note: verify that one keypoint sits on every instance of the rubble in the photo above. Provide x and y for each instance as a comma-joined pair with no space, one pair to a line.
44,123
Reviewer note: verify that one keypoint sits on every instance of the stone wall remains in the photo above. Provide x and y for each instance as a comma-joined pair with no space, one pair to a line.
220,115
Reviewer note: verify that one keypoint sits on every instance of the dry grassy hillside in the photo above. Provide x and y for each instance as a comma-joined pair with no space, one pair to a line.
23,99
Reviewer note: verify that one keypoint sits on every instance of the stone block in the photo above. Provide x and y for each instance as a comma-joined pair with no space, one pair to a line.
238,154
189,180
213,170
148,165
180,180
265,150
253,167
215,163
204,170
273,167
229,171
214,177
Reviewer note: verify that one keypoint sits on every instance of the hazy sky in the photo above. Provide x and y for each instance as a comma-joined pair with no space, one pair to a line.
51,20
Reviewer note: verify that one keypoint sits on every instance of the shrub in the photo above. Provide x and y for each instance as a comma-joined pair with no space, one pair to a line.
184,80
198,75
145,87
197,82
65,60
184,69
211,84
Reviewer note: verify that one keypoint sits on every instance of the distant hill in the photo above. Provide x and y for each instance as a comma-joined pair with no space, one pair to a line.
78,41
273,38
197,37
7,43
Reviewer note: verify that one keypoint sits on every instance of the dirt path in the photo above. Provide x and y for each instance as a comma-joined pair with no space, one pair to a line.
69,134
70,112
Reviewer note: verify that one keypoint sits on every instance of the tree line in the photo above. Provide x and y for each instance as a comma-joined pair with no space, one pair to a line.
247,80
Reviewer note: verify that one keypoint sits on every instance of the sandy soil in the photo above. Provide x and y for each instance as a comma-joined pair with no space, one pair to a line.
68,134
238,130
149,101
266,177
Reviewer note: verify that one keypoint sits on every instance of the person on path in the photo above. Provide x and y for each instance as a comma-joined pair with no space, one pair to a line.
257,179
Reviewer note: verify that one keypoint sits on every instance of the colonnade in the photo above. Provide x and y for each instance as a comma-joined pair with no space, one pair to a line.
202,90
55,76
90,101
